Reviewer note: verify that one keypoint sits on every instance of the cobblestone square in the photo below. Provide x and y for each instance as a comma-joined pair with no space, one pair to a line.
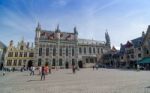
84,81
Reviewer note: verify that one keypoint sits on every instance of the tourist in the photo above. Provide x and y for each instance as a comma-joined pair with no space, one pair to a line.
93,67
32,70
43,73
138,67
73,69
40,69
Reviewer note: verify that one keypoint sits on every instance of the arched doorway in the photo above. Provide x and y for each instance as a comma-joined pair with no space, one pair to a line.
67,65
30,63
80,64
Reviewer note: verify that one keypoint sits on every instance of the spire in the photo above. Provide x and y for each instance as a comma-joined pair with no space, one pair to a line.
38,28
75,30
107,38
22,40
57,29
143,34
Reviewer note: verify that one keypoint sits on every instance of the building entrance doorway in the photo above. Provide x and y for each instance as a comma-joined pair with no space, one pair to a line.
67,65
80,64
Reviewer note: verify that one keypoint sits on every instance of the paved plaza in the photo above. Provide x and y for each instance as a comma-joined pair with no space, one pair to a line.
84,81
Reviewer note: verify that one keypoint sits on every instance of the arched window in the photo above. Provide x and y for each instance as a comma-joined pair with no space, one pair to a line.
60,51
73,51
90,51
66,51
39,62
54,51
47,51
85,50
53,64
60,62
40,51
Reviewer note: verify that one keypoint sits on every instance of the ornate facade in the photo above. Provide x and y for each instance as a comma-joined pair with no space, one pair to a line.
90,52
56,48
63,49
22,55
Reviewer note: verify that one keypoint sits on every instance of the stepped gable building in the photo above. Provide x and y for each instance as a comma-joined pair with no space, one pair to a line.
19,56
64,49
131,52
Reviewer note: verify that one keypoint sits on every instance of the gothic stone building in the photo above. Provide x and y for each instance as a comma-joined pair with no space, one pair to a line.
22,55
90,52
64,49
55,48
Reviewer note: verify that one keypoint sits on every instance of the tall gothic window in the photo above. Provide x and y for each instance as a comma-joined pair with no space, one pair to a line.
90,51
47,51
60,62
40,51
66,51
72,51
94,50
73,62
80,50
39,62
101,50
98,50
85,50
53,64
60,51
54,51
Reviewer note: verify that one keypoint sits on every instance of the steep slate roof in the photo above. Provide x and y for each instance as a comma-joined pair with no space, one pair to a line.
51,35
122,49
137,42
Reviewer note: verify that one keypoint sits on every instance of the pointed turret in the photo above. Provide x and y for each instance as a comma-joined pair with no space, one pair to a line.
38,28
57,29
75,30
107,39
143,34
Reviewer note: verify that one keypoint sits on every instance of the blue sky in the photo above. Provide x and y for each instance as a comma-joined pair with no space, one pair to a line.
124,19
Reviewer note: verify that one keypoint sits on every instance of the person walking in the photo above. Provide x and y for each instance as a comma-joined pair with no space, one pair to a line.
43,73
32,70
93,67
73,69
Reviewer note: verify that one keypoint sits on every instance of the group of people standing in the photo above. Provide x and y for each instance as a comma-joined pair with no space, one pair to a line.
44,70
